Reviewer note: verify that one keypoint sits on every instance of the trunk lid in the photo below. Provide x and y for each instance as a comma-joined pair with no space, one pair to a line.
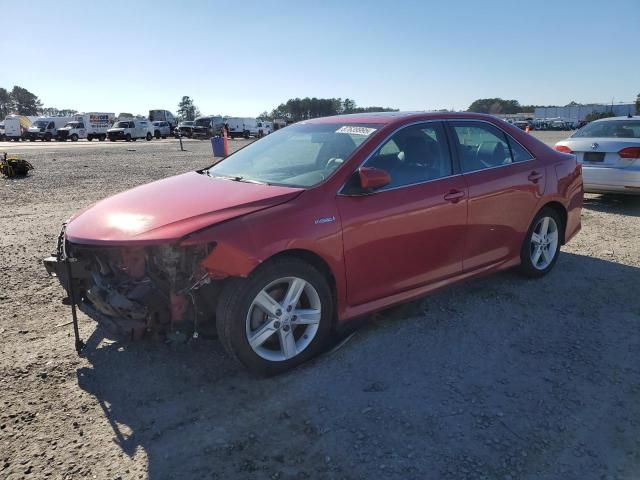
602,152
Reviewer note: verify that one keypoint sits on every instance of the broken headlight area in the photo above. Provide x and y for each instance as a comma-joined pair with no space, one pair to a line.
138,291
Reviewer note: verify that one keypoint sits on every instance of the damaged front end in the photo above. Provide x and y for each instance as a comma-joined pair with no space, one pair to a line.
136,291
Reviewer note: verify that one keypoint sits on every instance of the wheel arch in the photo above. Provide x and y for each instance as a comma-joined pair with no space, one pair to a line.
561,210
318,262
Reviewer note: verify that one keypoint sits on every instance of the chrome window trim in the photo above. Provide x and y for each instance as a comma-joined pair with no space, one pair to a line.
533,157
446,124
385,140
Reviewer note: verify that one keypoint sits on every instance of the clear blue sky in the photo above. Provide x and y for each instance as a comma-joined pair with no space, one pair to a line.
243,57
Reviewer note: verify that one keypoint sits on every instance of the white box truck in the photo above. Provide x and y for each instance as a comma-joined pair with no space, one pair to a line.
16,127
242,127
87,125
46,128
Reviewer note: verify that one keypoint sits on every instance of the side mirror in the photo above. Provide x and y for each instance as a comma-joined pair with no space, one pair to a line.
373,178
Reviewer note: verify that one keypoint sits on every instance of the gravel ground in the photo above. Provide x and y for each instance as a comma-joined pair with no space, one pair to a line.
497,378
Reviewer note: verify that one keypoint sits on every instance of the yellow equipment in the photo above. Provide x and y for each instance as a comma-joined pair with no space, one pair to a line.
13,166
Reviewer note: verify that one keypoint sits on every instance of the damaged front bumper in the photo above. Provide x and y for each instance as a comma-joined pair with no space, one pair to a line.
137,291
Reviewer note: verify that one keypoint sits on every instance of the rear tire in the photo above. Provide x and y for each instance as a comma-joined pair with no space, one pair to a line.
157,134
89,138
102,138
541,246
289,339
149,137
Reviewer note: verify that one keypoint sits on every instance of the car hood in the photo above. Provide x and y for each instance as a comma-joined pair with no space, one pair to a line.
166,210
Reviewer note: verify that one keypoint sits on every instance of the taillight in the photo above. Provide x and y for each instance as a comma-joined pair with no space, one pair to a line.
630,152
563,149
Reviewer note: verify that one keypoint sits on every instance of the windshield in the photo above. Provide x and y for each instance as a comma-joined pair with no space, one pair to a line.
41,123
301,155
610,129
186,124
157,124
121,125
72,124
203,122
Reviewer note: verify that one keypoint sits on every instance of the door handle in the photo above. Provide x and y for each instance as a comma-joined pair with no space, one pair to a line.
534,176
454,196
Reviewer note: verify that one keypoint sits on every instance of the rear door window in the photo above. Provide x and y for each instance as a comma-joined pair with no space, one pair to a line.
481,145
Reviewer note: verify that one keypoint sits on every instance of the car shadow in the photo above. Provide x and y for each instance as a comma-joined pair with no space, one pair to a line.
497,376
621,204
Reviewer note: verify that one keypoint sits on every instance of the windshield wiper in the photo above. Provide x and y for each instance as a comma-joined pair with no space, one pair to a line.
237,178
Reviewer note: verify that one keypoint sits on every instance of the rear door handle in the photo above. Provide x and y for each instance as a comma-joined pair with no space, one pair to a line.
534,176
454,196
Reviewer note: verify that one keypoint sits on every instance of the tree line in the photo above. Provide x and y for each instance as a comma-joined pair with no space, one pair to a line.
296,109
501,106
20,101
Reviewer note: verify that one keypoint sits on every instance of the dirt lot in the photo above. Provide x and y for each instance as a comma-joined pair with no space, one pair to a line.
498,378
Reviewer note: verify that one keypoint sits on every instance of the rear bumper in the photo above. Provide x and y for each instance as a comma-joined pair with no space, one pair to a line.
611,180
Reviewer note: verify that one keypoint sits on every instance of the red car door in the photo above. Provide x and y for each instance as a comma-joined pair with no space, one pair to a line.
412,231
505,184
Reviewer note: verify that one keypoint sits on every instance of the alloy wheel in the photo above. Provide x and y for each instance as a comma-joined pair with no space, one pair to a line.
544,243
283,319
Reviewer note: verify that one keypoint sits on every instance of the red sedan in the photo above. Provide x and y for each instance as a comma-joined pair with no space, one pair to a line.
321,222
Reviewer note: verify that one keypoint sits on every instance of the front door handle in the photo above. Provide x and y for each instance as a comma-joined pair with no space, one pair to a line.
534,176
454,196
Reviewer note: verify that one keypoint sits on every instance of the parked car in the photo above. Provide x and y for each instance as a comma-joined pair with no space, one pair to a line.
129,130
558,125
46,128
2,134
264,128
320,223
242,127
160,129
163,116
184,129
609,151
86,125
207,126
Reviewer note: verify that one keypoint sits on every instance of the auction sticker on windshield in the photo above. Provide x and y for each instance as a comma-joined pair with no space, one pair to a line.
351,130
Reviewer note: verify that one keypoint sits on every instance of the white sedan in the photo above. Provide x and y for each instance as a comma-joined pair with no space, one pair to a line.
609,151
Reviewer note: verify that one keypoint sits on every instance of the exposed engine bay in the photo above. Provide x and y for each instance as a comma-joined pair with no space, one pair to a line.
139,291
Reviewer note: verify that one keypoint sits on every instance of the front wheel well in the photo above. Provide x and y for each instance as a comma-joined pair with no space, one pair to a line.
310,257
562,213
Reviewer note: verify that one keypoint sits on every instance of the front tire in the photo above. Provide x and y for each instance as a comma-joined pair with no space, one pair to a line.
277,318
541,246
74,138
127,137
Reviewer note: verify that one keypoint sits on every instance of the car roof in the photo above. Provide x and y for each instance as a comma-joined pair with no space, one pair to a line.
626,117
387,118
